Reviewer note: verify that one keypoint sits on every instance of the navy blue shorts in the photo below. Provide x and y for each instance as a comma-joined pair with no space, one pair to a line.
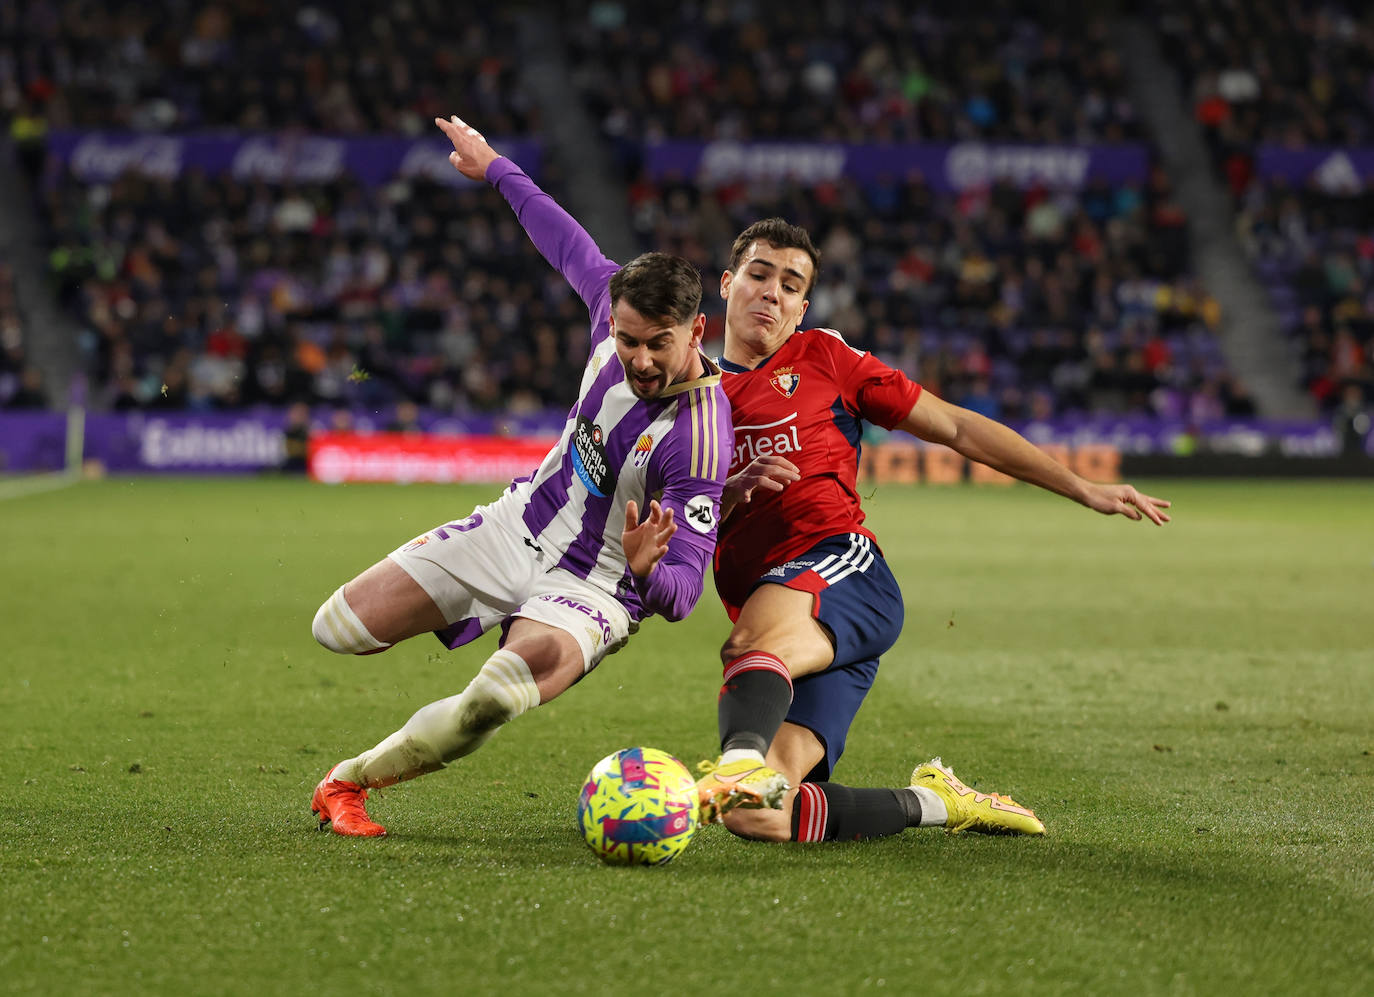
858,601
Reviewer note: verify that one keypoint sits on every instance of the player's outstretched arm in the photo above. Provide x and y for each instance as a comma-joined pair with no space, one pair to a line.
556,234
982,439
471,155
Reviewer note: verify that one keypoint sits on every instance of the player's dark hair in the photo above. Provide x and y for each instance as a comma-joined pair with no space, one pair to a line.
780,234
659,286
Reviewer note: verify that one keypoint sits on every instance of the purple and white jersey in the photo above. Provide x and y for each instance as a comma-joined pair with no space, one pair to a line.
616,447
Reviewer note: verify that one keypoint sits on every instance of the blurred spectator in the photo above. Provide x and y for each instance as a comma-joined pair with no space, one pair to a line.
30,394
406,419
28,131
21,384
1352,421
297,438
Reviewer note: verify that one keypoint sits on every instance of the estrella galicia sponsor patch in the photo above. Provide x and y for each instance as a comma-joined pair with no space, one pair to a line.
589,458
701,513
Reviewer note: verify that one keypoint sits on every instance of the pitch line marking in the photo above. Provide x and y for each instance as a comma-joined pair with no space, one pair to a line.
13,488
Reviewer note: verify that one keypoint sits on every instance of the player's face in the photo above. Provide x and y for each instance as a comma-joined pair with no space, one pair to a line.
765,297
653,354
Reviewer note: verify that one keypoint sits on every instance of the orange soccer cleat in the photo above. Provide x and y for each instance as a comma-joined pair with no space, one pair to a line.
339,806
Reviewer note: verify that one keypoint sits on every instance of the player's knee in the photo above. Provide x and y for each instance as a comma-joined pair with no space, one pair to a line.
760,825
338,628
734,646
500,692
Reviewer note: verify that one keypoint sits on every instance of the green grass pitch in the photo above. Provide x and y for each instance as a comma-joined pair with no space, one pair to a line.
1188,709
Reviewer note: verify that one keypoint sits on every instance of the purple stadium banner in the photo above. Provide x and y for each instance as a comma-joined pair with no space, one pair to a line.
946,166
201,443
210,443
1142,436
1334,170
98,157
32,441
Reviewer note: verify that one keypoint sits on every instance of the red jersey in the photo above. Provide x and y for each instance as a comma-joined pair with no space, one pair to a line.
807,403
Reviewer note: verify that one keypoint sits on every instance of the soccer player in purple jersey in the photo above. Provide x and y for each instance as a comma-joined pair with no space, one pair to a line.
562,561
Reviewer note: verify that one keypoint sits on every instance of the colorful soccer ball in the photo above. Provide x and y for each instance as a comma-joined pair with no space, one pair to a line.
638,807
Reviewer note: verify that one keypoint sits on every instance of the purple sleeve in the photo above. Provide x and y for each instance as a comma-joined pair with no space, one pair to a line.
555,233
689,474
675,584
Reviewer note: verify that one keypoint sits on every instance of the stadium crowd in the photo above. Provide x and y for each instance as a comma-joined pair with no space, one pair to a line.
1314,250
255,65
1016,303
847,70
1273,72
211,293
1312,243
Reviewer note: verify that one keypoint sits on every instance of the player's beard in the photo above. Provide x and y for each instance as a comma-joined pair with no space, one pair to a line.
646,390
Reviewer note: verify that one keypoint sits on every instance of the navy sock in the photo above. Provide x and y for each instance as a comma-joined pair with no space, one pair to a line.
753,701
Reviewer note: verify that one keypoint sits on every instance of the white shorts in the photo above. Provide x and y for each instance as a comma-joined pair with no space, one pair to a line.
485,570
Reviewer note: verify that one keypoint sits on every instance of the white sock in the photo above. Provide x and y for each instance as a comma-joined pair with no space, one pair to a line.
448,729
338,628
735,754
933,812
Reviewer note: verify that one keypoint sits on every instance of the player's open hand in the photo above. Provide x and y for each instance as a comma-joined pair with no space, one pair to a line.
471,155
645,543
1124,500
769,472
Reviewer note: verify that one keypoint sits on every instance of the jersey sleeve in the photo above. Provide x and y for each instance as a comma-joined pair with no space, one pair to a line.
556,234
881,394
689,471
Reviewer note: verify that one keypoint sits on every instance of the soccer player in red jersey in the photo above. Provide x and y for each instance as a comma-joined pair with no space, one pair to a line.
804,581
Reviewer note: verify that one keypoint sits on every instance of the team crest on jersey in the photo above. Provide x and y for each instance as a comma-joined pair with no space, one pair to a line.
589,458
785,381
643,449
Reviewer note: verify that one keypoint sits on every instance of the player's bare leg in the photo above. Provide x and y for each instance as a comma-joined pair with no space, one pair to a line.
391,604
777,620
774,639
381,607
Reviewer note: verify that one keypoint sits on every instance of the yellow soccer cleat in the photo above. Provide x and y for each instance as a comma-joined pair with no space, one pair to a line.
970,810
744,783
